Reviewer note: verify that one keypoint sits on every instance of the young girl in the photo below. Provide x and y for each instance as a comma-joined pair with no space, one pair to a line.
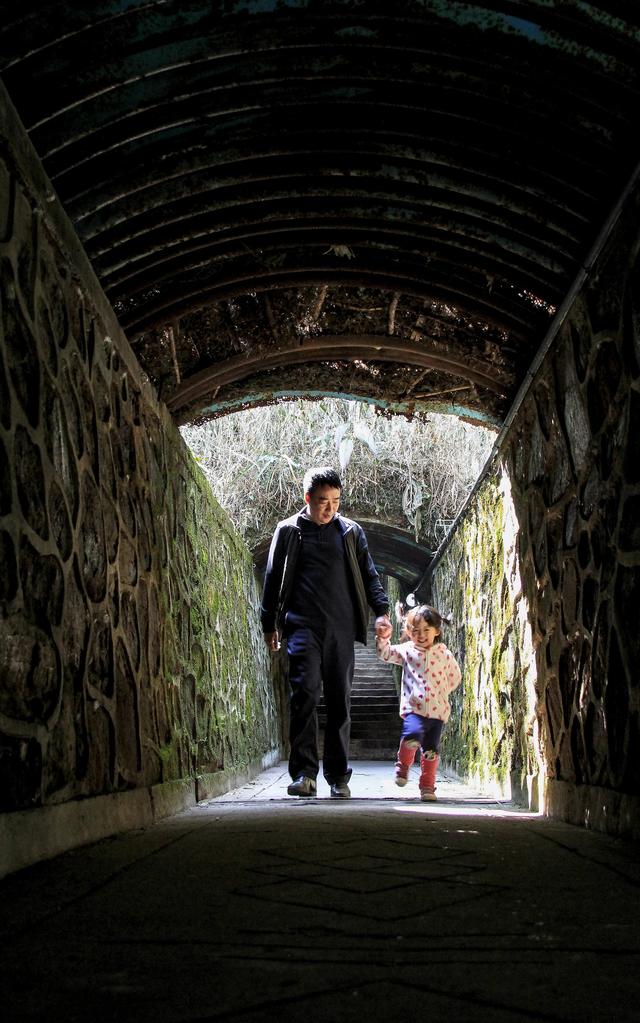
429,673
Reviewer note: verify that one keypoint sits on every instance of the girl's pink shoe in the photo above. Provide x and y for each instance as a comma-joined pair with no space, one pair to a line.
428,767
406,757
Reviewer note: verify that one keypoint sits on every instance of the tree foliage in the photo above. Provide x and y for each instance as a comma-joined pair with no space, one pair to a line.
412,474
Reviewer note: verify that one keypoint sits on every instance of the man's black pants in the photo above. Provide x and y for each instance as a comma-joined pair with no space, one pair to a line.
320,661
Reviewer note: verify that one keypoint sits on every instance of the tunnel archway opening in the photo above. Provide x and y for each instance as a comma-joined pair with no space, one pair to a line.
416,248
409,477
429,464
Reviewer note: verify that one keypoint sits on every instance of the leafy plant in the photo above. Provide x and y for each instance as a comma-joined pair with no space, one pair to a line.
414,475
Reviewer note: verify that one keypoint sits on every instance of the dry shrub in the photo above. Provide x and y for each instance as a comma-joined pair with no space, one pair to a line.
412,474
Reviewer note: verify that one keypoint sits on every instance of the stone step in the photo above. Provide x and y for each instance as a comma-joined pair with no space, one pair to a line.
371,725
359,752
374,714
384,699
376,727
380,699
378,703
363,681
358,699
373,687
372,683
364,753
375,721
365,749
388,745
384,678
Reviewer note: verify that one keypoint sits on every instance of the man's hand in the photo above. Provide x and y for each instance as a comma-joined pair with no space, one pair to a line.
383,627
272,640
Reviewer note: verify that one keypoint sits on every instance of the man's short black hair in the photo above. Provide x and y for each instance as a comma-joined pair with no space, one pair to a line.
320,476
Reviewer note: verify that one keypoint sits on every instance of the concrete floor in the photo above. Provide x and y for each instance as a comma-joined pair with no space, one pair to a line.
255,906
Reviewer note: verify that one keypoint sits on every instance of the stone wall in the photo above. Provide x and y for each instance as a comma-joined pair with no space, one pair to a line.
491,738
130,645
548,623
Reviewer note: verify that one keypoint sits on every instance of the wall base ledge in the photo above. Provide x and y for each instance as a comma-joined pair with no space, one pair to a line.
208,786
30,836
614,813
492,788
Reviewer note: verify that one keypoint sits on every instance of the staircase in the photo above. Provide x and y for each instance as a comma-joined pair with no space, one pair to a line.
375,721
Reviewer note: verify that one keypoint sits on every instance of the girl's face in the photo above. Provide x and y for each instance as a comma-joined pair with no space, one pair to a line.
423,634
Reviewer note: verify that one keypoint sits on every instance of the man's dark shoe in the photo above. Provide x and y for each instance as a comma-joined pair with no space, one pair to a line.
340,790
302,786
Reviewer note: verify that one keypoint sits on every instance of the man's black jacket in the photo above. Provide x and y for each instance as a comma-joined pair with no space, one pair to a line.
281,568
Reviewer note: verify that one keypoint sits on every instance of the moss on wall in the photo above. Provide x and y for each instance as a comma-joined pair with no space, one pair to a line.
489,738
232,718
543,572
131,651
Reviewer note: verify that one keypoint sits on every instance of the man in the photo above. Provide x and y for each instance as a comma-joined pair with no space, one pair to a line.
319,584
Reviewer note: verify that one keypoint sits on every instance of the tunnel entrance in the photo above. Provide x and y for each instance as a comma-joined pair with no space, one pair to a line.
405,481
176,242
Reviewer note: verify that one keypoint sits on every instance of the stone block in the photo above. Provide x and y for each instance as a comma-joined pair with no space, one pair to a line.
30,836
172,797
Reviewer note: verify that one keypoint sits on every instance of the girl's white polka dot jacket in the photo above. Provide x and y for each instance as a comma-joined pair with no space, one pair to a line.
428,676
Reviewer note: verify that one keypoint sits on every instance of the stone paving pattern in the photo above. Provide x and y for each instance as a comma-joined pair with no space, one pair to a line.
254,907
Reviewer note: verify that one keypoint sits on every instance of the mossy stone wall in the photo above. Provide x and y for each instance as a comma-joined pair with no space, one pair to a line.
130,644
491,738
543,570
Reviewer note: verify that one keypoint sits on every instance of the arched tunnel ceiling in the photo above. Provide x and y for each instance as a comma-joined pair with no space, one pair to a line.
384,200
387,200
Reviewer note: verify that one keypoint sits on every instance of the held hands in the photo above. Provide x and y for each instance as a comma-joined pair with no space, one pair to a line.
383,627
272,640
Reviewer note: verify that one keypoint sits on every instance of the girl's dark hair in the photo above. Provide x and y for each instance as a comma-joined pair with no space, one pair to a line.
428,614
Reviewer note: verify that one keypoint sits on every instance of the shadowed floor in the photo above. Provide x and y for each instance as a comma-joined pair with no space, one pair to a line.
255,906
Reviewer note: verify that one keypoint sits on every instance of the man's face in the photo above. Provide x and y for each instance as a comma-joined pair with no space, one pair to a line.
323,503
